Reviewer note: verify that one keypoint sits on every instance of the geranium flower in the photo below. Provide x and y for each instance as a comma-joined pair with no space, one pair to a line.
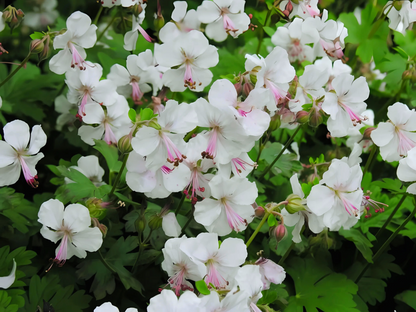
15,154
72,226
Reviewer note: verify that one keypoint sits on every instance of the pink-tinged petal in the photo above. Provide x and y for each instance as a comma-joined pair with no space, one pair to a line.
216,30
342,84
232,253
60,63
37,140
16,133
222,94
72,250
399,113
78,23
28,164
321,199
208,12
88,133
10,174
165,301
89,239
51,214
7,154
207,211
405,172
7,281
384,134
220,226
146,141
77,217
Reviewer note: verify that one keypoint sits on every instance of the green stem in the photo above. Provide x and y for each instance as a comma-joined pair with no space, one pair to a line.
370,159
98,15
107,265
281,152
180,204
262,31
16,70
391,215
187,223
263,221
286,254
120,172
386,244
189,135
108,26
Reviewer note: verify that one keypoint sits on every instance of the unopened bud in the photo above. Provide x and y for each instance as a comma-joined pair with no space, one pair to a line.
279,232
295,1
398,5
46,49
159,22
407,75
140,224
238,87
136,9
36,46
315,117
155,222
248,87
367,133
154,124
294,204
124,144
275,122
13,17
302,117
97,208
259,212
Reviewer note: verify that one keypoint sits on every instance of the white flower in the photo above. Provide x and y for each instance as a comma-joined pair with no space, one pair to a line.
108,307
406,171
43,15
400,19
90,167
230,208
249,280
302,8
270,272
7,281
64,107
346,104
179,266
112,123
292,39
233,302
183,22
167,301
72,225
396,137
86,87
80,34
2,23
15,154
170,225
221,263
130,38
223,18
338,196
191,56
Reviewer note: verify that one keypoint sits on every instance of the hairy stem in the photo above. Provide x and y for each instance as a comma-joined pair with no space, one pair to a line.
180,204
119,174
373,152
253,236
16,70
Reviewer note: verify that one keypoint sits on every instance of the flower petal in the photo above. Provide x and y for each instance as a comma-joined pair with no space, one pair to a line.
16,133
77,217
51,214
89,239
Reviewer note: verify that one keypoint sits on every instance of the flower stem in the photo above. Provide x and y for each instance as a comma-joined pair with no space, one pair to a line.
373,152
98,15
187,223
386,244
391,215
262,31
281,153
16,70
286,254
120,172
253,236
108,26
180,204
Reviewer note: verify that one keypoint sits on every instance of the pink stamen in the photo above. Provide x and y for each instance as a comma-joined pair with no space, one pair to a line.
254,307
109,136
349,207
144,34
177,280
228,24
214,277
211,151
62,252
172,151
137,94
193,187
188,80
355,118
239,163
84,101
77,59
166,170
235,221
405,143
30,179
278,94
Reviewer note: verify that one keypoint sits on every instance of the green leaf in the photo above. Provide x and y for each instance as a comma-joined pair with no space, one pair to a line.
5,303
17,209
269,30
202,287
132,114
271,220
110,153
360,241
36,35
62,299
406,42
317,287
146,114
394,65
395,186
408,297
274,293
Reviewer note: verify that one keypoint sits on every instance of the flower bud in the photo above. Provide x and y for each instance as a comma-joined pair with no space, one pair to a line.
97,208
155,222
36,46
259,212
407,75
124,144
398,5
136,9
159,22
315,117
279,232
248,87
238,87
13,17
275,123
367,133
154,124
140,224
295,203
46,49
302,117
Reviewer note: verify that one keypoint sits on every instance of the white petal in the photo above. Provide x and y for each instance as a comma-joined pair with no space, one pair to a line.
60,63
89,239
16,133
7,281
232,253
170,225
89,133
7,154
51,214
37,140
77,217
10,174
207,211
321,199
